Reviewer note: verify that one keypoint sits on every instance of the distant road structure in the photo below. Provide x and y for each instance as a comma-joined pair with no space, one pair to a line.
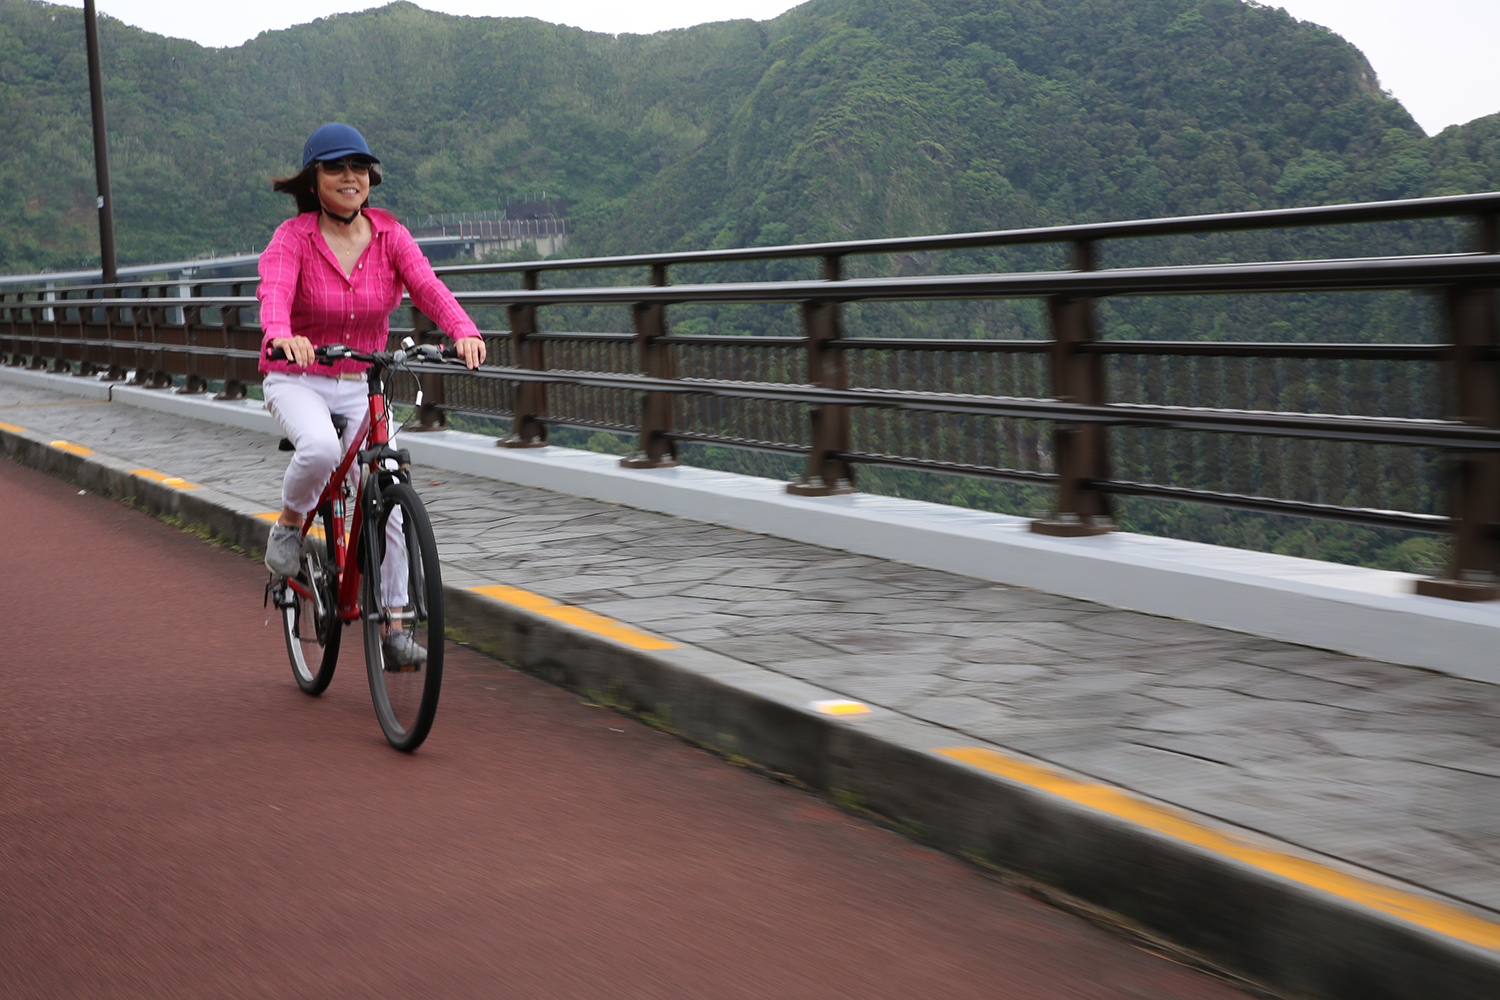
540,223
233,266
441,237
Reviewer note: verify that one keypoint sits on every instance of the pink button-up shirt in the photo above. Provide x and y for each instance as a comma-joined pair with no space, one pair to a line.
303,291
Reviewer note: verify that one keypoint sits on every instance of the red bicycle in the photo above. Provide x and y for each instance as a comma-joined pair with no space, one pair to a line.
329,591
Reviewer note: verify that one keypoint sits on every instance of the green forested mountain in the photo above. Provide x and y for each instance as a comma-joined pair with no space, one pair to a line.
907,117
841,118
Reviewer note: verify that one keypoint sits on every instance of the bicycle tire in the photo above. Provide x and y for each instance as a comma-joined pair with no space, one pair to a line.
405,697
312,640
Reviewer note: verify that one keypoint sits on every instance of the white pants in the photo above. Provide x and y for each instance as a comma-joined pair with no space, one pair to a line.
302,405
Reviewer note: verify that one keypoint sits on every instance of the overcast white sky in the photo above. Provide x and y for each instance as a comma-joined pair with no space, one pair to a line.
1436,56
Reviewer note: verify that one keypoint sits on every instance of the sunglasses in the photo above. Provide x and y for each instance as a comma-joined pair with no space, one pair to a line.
347,163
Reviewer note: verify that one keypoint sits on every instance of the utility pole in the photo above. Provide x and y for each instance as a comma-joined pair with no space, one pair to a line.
101,147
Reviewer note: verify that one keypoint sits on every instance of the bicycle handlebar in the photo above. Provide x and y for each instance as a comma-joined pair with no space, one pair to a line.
329,353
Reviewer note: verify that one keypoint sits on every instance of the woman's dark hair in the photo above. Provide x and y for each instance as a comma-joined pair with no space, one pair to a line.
303,186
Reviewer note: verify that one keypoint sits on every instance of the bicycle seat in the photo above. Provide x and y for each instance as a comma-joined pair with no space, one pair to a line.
340,422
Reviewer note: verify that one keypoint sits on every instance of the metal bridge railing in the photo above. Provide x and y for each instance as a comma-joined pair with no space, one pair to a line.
1205,422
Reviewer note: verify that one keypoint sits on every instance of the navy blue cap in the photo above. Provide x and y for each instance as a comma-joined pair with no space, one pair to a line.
335,141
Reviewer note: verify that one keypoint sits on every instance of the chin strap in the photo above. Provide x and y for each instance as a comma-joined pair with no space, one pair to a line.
340,218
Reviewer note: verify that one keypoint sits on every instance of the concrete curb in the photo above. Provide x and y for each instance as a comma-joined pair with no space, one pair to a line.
1280,931
1349,609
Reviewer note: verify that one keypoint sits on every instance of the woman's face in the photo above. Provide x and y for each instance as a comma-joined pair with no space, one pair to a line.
343,185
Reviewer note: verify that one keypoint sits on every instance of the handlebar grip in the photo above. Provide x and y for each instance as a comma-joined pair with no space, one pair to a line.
320,354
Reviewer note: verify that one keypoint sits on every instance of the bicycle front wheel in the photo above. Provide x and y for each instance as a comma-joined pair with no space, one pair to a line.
311,625
402,592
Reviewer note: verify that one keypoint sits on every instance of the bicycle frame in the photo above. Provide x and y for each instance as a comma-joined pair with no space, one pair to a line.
373,432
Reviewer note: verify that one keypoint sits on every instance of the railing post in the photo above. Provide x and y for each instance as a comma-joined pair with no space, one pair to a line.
656,450
58,317
192,324
1474,486
430,415
29,316
232,328
33,325
86,366
59,350
116,370
530,430
7,326
140,316
828,472
10,344
156,317
1079,451
38,362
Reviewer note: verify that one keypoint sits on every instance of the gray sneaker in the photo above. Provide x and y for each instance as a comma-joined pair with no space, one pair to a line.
402,651
284,550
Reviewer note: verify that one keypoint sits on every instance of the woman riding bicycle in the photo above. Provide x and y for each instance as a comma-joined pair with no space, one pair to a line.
332,274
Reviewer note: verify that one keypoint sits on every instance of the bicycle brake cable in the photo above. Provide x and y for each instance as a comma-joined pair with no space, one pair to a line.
416,409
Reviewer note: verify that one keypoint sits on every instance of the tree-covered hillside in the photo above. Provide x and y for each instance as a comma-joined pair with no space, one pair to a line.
841,118
916,116
461,110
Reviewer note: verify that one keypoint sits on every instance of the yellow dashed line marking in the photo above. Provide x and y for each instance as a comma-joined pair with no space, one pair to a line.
71,448
839,707
166,480
584,619
12,428
1428,913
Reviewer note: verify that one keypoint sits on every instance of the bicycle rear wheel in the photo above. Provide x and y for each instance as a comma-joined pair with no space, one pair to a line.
312,627
405,693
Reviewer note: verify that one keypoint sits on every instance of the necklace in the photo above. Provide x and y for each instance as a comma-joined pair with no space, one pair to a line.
343,244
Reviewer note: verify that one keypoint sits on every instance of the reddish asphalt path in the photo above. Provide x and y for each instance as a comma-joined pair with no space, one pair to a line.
178,820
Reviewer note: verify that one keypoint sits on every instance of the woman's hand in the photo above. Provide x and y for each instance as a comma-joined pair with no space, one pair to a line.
471,349
299,350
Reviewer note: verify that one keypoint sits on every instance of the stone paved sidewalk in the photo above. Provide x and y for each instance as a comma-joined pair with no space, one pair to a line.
1388,767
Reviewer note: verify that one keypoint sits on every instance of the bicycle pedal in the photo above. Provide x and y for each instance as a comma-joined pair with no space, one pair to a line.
283,596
